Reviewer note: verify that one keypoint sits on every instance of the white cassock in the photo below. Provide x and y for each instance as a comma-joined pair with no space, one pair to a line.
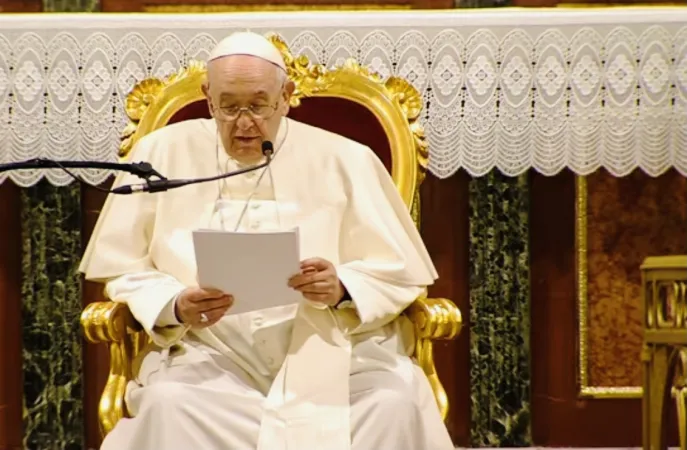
294,377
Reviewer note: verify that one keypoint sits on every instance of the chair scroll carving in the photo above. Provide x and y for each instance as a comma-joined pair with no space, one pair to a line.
394,103
664,354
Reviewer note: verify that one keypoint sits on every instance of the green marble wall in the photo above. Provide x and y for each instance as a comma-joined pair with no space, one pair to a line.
51,305
481,3
71,5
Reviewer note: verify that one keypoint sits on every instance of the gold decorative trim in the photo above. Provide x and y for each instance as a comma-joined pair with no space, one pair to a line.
186,86
587,391
265,7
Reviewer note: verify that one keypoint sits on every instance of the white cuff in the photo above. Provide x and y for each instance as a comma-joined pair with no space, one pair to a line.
167,316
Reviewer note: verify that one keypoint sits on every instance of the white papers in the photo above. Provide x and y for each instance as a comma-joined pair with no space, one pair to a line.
253,267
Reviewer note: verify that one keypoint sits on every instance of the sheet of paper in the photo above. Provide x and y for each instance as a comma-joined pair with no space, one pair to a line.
253,267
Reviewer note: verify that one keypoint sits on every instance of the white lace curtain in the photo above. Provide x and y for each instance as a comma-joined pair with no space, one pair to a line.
505,89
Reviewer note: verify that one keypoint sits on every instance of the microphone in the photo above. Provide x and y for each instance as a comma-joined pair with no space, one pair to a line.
164,184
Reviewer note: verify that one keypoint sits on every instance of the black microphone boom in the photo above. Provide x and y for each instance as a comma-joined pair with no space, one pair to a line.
165,184
140,169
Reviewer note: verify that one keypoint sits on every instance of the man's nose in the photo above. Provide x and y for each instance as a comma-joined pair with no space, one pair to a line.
244,121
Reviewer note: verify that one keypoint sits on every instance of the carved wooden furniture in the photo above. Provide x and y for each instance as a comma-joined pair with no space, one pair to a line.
358,104
664,356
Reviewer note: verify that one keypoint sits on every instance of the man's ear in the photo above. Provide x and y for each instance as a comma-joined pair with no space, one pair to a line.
289,87
205,87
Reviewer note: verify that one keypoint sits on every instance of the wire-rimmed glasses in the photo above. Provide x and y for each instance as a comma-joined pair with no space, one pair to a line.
232,113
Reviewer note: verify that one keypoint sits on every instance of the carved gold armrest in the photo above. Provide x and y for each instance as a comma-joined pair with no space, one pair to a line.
434,318
108,322
112,323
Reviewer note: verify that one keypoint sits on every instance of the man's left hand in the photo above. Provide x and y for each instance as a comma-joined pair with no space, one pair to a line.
318,282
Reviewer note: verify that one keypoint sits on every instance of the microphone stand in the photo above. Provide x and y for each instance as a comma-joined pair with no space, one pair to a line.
142,170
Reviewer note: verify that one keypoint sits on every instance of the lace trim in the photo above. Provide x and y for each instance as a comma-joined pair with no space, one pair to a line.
577,90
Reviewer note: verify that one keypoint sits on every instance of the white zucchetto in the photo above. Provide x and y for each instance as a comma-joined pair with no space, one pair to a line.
248,43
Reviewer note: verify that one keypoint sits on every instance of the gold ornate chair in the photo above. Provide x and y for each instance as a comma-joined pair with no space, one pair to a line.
359,105
664,355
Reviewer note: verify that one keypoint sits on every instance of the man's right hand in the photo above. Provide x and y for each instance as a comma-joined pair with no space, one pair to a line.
194,305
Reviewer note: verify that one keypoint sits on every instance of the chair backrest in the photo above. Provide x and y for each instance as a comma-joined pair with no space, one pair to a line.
348,100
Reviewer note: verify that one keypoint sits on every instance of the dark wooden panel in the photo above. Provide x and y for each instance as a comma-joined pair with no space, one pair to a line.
96,357
11,387
559,417
10,6
445,230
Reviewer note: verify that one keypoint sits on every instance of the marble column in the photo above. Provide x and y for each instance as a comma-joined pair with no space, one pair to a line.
481,3
499,303
499,311
71,5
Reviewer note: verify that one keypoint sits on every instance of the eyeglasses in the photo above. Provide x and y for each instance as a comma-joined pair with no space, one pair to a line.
231,113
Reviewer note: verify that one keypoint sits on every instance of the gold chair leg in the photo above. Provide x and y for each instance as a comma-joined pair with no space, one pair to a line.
681,403
680,392
112,405
656,359
424,352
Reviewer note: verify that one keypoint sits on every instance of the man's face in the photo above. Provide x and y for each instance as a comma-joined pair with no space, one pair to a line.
247,97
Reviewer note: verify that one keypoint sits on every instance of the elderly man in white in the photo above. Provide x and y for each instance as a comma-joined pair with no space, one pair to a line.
331,372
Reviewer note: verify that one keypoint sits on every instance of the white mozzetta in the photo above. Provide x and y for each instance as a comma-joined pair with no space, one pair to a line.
510,89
